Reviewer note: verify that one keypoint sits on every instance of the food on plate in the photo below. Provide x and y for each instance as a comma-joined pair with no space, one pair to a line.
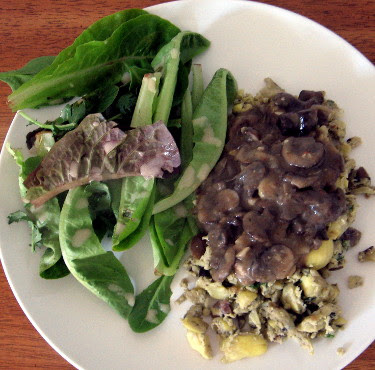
341,351
367,255
275,216
355,281
265,202
98,151
97,170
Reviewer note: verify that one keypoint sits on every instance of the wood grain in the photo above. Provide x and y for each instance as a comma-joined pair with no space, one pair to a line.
33,28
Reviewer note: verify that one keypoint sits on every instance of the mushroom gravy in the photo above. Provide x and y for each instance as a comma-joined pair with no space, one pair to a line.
270,198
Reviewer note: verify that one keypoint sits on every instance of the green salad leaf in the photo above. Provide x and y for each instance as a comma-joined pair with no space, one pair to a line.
210,127
99,271
134,43
101,30
181,49
96,101
170,234
72,114
18,77
187,132
43,222
100,207
47,220
198,85
151,306
136,194
153,106
132,67
144,108
36,235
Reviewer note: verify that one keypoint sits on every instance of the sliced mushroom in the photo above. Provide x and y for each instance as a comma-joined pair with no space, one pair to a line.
302,152
276,262
242,267
302,181
313,97
287,102
253,224
227,200
220,272
269,188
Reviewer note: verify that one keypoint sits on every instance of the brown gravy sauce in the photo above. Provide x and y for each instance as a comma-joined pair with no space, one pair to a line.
269,200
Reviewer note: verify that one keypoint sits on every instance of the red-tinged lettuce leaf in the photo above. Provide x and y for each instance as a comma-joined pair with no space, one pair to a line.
97,150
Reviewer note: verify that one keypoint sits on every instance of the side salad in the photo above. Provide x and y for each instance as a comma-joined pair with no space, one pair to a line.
123,159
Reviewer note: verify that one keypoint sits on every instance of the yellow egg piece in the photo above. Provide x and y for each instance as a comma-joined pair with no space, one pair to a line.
319,258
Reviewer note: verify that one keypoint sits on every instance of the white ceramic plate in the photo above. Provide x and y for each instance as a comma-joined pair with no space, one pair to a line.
253,41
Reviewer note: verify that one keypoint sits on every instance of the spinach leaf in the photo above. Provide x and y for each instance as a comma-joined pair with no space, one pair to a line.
210,125
95,62
18,77
99,271
151,306
43,221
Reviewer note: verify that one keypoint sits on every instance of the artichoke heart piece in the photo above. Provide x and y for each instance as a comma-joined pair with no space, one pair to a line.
241,346
195,324
291,298
314,286
200,343
215,289
319,258
245,298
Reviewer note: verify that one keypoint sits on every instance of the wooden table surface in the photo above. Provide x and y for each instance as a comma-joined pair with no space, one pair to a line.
29,29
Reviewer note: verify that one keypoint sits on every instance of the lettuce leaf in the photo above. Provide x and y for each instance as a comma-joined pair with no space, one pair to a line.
99,271
130,48
210,127
43,222
97,150
151,305
18,77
